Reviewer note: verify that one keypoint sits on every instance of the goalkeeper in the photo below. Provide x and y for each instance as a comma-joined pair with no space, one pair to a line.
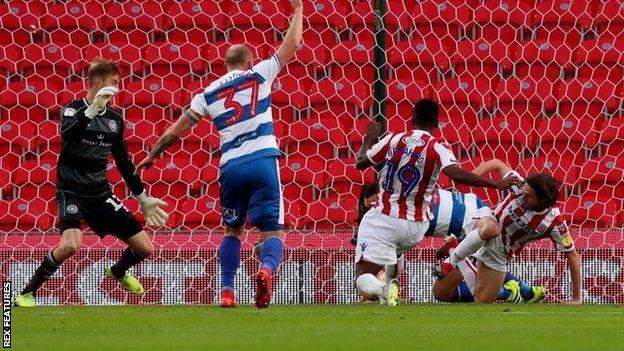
91,132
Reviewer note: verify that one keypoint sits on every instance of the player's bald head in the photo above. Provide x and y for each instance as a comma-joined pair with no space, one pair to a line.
238,56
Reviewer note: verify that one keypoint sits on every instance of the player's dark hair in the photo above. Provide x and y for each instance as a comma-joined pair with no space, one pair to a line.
546,188
425,114
101,68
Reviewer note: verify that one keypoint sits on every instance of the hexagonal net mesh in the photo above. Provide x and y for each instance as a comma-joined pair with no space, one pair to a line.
537,84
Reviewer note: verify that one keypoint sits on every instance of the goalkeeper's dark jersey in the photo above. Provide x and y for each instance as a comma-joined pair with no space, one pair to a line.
87,145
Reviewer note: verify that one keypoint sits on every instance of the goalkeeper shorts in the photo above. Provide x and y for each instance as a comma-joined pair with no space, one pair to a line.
103,214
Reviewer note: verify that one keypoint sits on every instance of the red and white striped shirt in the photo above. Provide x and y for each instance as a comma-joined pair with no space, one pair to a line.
413,161
520,226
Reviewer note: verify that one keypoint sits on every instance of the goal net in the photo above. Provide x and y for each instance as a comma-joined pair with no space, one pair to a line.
537,84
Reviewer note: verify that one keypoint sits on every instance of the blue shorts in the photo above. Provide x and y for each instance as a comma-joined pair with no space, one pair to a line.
253,188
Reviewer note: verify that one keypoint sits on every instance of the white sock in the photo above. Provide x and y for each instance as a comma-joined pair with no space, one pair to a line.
395,270
368,284
471,243
469,271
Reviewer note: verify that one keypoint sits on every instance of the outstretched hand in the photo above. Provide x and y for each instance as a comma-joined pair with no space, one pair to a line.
508,182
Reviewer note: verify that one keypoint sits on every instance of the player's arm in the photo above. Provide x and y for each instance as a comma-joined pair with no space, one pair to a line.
292,39
574,263
493,165
74,122
169,137
362,158
459,175
151,207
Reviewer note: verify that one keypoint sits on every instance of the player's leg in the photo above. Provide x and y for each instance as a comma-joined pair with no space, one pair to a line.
446,288
70,215
229,261
489,283
266,212
527,292
484,229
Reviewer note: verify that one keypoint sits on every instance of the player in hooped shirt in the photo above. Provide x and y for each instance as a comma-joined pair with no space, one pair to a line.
527,214
412,163
239,104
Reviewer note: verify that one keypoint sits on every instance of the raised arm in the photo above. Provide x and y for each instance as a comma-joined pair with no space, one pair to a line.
362,161
292,40
493,165
169,137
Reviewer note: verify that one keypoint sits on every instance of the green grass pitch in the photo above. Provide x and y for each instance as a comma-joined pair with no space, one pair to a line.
329,327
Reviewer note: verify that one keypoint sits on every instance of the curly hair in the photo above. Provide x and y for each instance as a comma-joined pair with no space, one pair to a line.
546,188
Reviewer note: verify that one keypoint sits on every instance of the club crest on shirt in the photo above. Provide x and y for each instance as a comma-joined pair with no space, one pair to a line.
69,112
113,126
566,240
411,141
73,209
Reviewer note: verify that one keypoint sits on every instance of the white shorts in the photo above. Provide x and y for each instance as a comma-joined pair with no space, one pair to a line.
493,255
382,238
483,212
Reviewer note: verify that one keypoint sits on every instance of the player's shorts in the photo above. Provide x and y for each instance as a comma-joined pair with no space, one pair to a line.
493,255
103,214
481,212
381,238
253,189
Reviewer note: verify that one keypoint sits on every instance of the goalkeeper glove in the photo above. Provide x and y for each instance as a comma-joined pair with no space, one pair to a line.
151,207
100,100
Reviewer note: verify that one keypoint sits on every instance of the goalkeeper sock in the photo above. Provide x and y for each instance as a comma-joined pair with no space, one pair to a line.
394,271
272,253
46,269
471,243
128,259
229,260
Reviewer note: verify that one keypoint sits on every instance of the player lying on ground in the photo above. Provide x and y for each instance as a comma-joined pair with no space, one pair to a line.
91,132
528,213
239,105
412,163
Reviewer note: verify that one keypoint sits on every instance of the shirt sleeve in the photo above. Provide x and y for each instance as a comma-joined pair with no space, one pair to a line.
560,235
515,190
269,68
445,154
378,152
124,164
198,109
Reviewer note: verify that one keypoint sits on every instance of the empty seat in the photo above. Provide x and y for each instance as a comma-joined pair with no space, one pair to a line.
591,98
321,139
609,20
288,99
197,214
463,100
335,213
177,61
127,56
32,100
590,212
527,98
152,99
600,59
36,180
302,179
563,169
24,216
418,59
402,95
362,22
441,20
9,57
19,20
542,59
324,21
567,137
344,178
353,60
602,178
611,138
215,54
341,100
15,139
483,60
208,183
563,21
459,137
397,20
307,65
505,138
72,22
132,22
257,22
51,62
171,177
490,195
502,20
196,22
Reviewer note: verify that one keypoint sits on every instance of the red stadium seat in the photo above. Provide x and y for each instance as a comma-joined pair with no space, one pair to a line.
397,20
566,137
72,91
36,180
463,100
356,136
141,135
307,65
353,60
441,20
344,178
562,20
362,22
402,94
48,144
315,138
33,101
335,213
9,57
288,99
257,22
609,19
16,138
611,138
419,59
6,187
198,214
132,22
324,21
480,59
459,137
592,98
564,170
195,22
51,62
490,195
208,183
341,100
603,178
72,22
127,55
19,20
542,59
152,99
505,138
589,212
601,59
24,216
525,98
171,177
503,20
173,61
302,179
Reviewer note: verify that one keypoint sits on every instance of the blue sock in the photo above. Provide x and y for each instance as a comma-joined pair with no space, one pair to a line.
503,294
229,260
272,253
526,290
462,294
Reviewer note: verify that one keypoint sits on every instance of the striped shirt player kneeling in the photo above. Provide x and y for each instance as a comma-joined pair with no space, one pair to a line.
412,163
90,132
